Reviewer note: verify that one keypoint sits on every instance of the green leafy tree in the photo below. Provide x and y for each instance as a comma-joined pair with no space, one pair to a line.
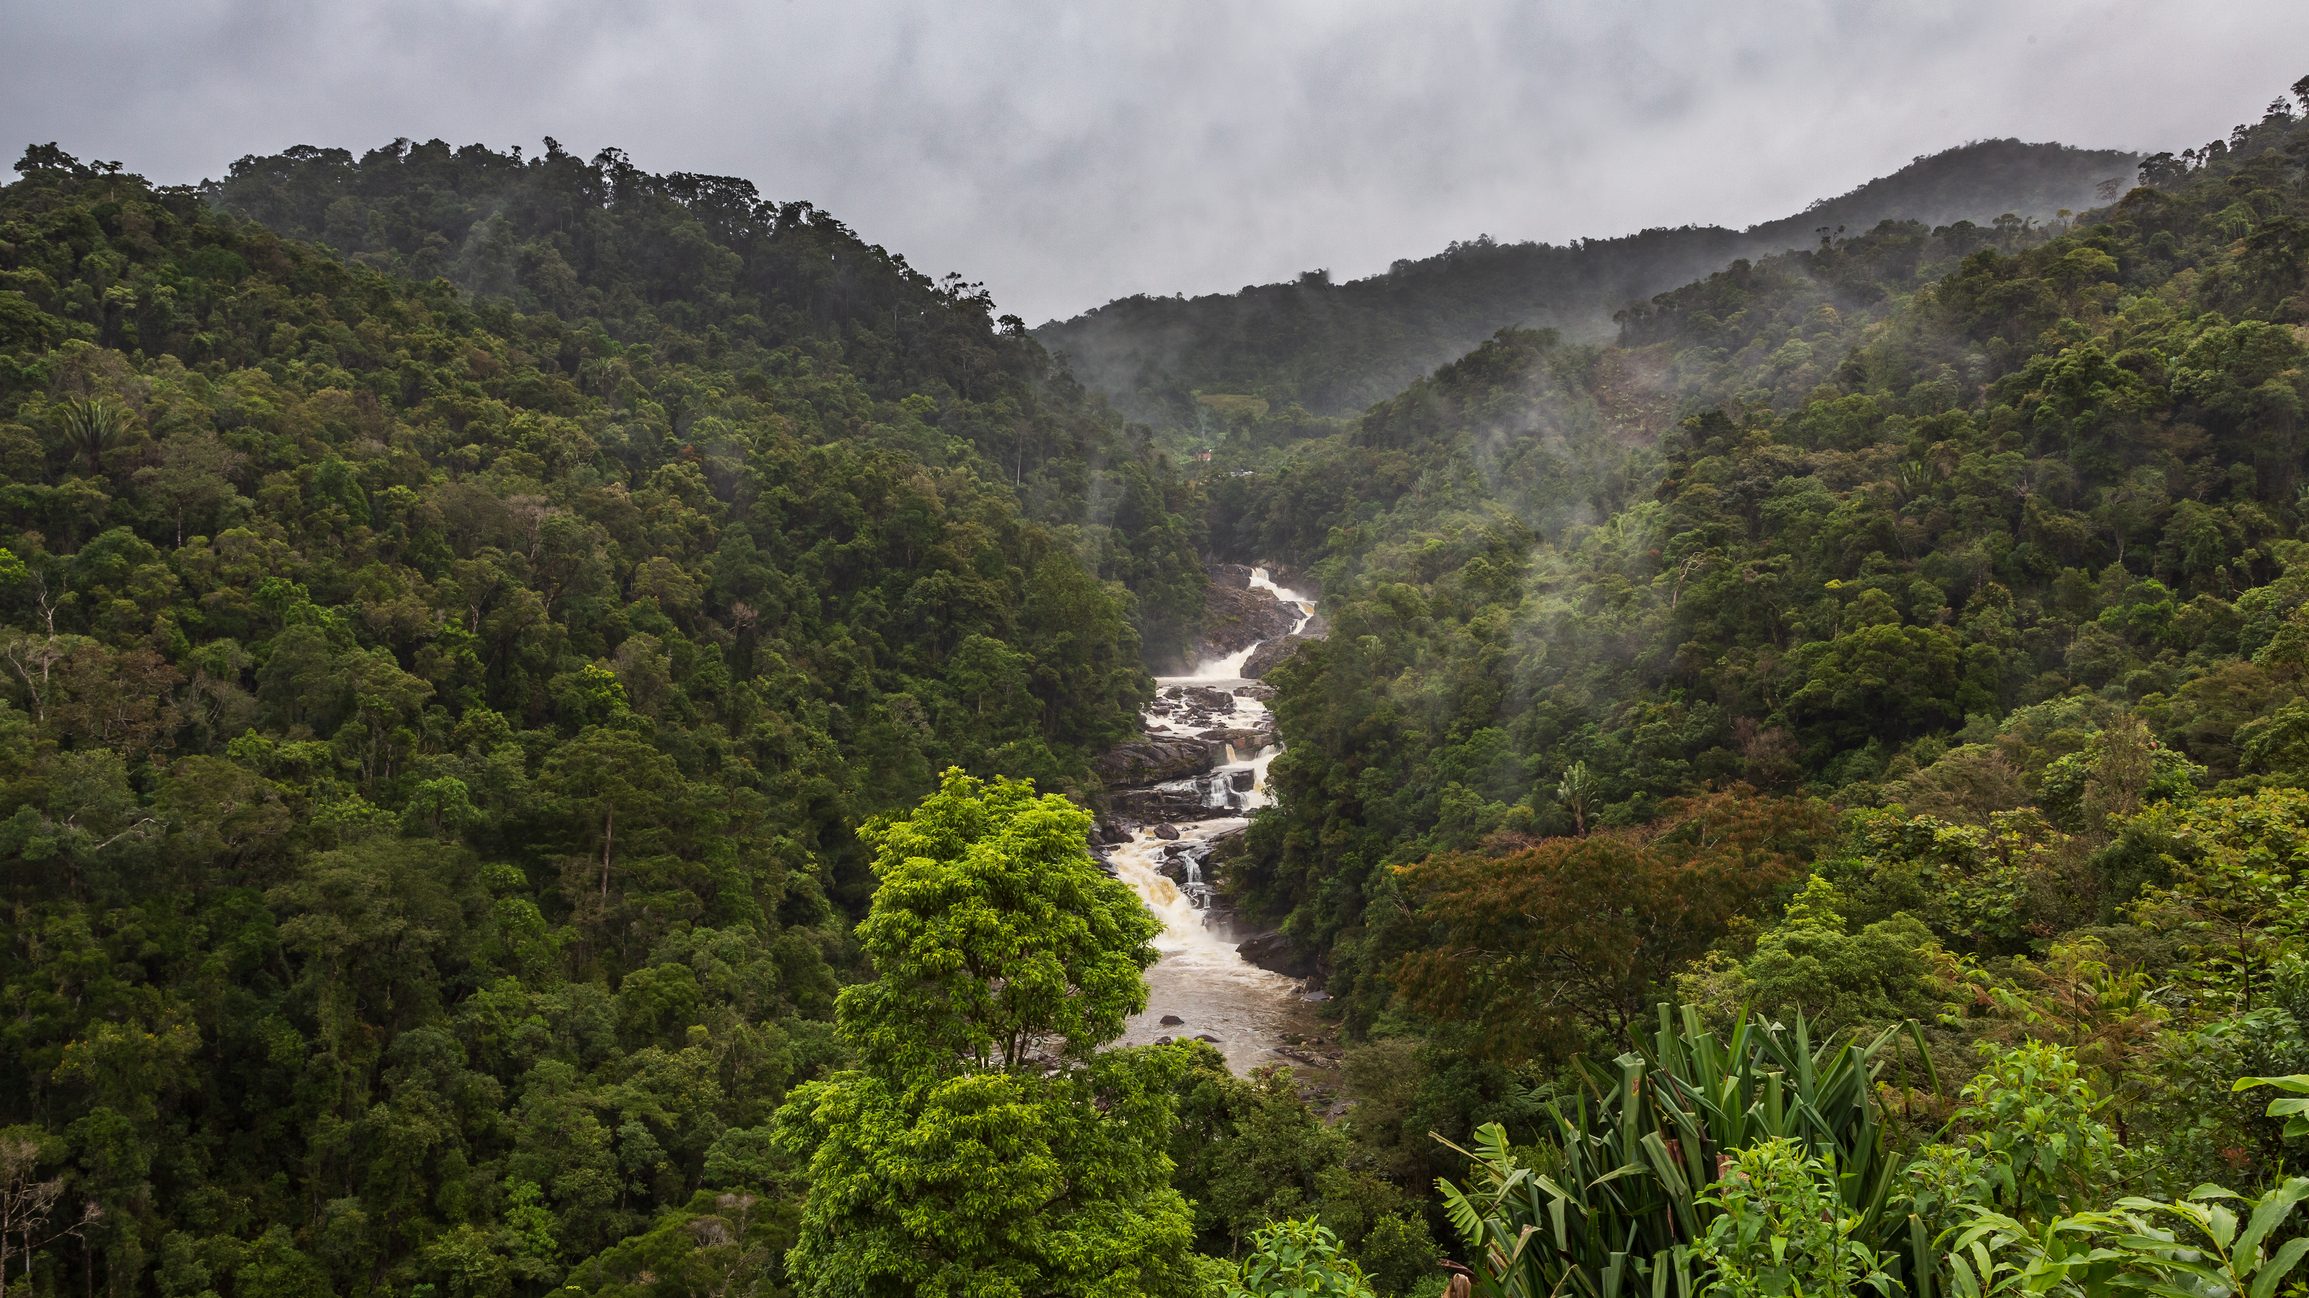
1782,1229
2035,1123
1297,1258
1811,962
986,1146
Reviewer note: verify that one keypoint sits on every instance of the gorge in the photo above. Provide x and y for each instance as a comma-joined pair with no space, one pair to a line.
1184,793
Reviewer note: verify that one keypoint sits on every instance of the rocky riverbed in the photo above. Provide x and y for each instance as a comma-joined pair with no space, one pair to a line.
1179,799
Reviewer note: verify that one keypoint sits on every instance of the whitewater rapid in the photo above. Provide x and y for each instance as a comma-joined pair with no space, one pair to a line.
1254,1014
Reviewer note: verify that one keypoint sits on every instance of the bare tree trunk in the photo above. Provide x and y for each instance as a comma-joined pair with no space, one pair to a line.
608,837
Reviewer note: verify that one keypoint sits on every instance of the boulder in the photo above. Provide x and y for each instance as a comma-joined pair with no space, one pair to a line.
1248,740
1156,759
1208,698
1171,803
1171,1021
1170,832
1234,619
1270,655
1279,953
1242,781
1225,843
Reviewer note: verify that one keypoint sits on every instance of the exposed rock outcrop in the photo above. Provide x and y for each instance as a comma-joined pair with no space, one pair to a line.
1291,579
1174,803
1268,656
1278,952
1237,617
1157,759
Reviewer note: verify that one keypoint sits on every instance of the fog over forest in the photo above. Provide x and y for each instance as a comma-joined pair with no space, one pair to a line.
1066,155
1602,651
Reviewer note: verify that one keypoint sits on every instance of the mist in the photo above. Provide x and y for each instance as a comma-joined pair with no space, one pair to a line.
1067,154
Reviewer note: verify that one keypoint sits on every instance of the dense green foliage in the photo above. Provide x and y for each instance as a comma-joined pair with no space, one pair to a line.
431,733
1902,629
985,1147
713,279
2014,572
470,650
1336,348
1296,1258
1616,1206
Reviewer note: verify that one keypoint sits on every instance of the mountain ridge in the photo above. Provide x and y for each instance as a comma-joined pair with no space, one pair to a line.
1335,348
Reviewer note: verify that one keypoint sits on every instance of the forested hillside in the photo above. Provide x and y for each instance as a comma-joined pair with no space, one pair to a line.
1336,348
1949,588
707,274
432,732
519,681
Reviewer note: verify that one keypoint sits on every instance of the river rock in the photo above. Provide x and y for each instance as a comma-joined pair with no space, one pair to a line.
1259,690
1156,759
1236,618
1162,804
1292,579
1170,832
1272,654
1208,698
1248,740
1226,842
1242,781
1171,1021
1277,952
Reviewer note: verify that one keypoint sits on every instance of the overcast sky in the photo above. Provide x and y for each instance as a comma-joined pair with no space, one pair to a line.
1070,152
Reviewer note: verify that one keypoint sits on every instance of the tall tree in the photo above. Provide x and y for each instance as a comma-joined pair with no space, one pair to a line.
986,1146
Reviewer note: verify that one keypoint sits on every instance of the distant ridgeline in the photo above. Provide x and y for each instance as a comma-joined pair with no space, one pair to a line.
1336,348
1991,540
703,275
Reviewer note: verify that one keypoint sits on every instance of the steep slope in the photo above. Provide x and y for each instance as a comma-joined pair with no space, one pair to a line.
705,272
431,740
1336,348
1968,528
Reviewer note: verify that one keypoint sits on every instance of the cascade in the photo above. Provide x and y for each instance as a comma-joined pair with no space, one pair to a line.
1200,981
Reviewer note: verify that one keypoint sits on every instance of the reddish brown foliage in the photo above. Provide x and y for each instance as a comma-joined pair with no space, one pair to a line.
1542,942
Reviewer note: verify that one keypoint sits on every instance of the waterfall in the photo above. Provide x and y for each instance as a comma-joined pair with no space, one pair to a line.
1200,980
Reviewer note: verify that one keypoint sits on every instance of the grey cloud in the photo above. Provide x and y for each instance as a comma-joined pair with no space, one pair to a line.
1066,153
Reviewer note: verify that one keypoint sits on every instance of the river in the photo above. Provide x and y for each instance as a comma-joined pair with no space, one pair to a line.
1255,1017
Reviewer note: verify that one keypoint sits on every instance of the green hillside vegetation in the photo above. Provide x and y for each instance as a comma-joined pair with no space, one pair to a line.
704,272
432,732
1335,348
1905,628
546,713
